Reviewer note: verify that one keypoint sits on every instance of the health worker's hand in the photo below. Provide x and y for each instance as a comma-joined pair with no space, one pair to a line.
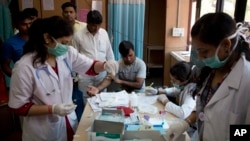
63,109
115,79
161,91
163,98
92,90
150,91
176,129
111,66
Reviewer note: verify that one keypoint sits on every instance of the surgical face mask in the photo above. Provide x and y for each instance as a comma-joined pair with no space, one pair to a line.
59,49
214,61
177,86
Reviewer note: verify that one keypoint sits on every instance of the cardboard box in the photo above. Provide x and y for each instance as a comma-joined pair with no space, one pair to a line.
106,131
146,135
112,115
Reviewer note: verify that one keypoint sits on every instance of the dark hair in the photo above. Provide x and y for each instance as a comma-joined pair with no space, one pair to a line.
55,26
31,12
182,71
68,4
124,48
94,17
20,17
211,29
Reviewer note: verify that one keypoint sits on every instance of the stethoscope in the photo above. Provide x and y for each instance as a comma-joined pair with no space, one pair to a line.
46,70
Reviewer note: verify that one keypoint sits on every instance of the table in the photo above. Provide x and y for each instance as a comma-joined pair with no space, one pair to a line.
88,116
181,55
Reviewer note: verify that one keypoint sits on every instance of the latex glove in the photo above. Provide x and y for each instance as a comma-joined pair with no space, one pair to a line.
63,109
176,129
150,91
161,91
111,66
92,90
163,98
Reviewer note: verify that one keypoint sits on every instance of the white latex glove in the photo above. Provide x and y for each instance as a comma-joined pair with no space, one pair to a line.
176,129
163,98
150,91
63,109
111,66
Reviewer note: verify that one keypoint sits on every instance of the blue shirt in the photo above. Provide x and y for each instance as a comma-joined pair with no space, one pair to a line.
13,48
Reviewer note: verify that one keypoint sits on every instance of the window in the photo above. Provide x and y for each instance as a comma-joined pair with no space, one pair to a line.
229,7
247,14
207,6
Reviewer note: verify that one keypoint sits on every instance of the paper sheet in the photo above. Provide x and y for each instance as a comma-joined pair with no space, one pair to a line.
97,5
27,4
48,5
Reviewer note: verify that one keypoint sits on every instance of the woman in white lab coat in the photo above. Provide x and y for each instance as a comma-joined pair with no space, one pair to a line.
182,78
41,84
223,87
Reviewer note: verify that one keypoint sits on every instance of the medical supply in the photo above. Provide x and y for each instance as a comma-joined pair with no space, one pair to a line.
147,109
46,70
133,100
134,117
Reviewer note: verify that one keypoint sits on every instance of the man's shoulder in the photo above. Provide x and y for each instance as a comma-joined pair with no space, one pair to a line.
140,61
81,23
14,41
103,31
13,38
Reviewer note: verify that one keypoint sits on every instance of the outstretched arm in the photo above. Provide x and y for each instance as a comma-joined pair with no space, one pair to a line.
137,84
92,90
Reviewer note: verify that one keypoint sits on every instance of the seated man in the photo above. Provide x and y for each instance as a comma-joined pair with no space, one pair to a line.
131,73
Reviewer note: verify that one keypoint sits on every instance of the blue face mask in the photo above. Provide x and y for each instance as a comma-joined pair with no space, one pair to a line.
177,86
214,61
59,49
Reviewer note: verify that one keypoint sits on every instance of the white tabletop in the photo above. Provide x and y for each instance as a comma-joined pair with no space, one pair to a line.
88,116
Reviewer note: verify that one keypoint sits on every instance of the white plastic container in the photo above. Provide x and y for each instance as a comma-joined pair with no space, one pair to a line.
133,100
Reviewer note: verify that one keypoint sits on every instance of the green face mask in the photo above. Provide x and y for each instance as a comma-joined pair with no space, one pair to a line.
59,49
177,86
214,61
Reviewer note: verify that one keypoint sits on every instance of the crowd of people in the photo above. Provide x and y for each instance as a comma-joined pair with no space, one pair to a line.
48,53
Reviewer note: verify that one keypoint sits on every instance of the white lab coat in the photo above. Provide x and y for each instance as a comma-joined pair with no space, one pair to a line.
186,101
26,87
229,105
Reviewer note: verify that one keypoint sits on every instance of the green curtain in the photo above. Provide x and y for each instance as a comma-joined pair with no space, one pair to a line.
5,23
6,29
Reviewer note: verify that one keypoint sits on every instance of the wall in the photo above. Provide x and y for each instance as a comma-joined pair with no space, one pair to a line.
175,43
81,4
46,13
154,36
87,4
160,18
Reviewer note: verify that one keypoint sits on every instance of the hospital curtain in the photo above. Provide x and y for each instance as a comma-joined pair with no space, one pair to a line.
5,20
126,22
